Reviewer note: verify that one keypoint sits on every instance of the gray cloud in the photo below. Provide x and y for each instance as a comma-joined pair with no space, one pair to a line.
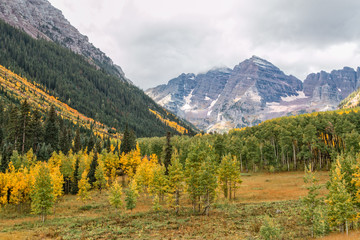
154,41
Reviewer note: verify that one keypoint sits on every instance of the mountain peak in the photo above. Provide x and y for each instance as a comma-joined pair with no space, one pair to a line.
260,62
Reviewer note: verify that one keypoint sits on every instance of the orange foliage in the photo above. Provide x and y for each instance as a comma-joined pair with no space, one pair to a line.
169,123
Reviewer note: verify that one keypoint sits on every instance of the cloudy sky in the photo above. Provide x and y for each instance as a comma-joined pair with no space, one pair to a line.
154,41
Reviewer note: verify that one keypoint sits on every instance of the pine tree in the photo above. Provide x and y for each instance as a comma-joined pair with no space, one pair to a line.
115,195
77,141
93,166
37,130
51,134
168,152
42,195
75,177
25,131
125,141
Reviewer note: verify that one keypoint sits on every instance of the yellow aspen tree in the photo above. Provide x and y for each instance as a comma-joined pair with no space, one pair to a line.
42,194
176,181
84,187
115,195
58,181
100,177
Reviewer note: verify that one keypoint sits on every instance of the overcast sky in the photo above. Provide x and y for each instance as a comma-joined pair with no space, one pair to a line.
154,41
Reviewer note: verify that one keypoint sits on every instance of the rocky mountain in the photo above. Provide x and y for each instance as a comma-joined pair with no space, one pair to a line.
251,92
40,19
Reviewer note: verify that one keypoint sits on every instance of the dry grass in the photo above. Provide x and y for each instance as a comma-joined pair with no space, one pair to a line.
263,187
260,194
354,235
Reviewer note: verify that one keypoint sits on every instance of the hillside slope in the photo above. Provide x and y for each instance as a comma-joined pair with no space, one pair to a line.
74,81
40,19
16,88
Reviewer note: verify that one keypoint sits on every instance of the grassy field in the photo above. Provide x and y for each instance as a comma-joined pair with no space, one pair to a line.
263,194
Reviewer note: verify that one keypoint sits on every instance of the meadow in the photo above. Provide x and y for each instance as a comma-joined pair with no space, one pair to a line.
260,194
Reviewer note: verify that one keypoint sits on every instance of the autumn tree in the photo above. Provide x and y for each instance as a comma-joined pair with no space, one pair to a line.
84,187
131,195
42,195
115,195
176,180
341,209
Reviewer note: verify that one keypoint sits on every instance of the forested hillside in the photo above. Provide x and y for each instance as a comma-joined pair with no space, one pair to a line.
287,143
14,89
70,78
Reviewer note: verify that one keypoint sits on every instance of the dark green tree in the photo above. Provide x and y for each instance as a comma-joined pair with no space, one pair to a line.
168,153
51,134
77,141
93,166
75,178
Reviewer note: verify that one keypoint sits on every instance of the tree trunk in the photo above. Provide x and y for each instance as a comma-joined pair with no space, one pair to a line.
177,201
23,140
294,156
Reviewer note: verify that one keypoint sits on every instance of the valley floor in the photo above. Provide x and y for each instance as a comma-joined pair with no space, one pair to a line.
260,194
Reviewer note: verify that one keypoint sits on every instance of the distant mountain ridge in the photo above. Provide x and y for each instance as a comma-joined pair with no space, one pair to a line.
253,91
40,19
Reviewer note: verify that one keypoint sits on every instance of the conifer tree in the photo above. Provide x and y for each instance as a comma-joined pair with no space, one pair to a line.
24,121
42,195
168,152
93,166
51,134
75,177
77,141
37,130
125,146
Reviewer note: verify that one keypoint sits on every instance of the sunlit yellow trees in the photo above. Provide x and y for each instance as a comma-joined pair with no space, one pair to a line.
129,162
84,187
341,209
229,175
176,181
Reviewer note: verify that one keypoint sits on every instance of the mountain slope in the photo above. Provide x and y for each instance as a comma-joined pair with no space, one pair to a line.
251,92
40,19
69,77
16,88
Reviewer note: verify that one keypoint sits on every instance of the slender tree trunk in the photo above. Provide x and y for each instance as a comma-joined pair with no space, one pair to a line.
294,156
241,163
23,140
177,201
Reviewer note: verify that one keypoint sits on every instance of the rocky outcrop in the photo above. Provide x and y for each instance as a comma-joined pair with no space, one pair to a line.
251,92
40,19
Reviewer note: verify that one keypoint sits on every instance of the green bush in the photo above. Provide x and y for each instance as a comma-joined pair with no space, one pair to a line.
270,230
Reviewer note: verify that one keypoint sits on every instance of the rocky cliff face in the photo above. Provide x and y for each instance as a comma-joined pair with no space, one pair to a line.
40,19
251,92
